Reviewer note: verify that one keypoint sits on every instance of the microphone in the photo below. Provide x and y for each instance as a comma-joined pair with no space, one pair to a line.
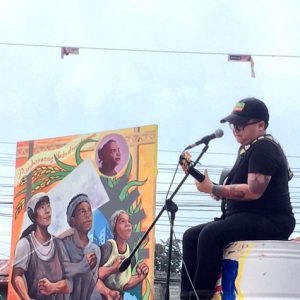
205,140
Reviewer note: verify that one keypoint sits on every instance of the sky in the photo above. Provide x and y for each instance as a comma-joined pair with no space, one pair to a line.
176,74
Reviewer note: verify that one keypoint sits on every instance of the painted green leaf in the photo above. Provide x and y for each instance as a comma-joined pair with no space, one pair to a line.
21,192
130,184
59,174
127,171
137,208
111,181
144,244
55,179
129,166
148,290
63,165
78,158
137,227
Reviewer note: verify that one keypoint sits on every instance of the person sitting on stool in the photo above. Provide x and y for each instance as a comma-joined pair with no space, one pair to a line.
257,200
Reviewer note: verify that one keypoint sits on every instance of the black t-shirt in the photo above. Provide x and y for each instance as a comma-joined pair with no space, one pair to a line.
266,158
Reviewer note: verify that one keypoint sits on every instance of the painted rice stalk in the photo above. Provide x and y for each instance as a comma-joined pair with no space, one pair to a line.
41,171
35,186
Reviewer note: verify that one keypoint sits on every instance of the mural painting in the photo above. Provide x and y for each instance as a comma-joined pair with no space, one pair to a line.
81,204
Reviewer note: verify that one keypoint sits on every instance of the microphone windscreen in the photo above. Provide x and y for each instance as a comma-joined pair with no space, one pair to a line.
219,133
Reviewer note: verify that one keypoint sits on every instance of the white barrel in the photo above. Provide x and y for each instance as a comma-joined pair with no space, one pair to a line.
257,270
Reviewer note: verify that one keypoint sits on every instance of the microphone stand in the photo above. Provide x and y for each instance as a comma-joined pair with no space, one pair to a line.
171,207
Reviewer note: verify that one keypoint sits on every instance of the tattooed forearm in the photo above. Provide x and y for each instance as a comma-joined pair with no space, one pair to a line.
229,191
256,186
258,183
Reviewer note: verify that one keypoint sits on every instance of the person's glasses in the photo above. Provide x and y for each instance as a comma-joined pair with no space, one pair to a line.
237,127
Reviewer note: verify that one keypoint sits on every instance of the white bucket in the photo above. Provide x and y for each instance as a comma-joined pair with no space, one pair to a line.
257,270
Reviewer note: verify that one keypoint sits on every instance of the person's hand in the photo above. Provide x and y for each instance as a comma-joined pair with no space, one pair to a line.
206,185
184,161
45,287
91,259
142,271
117,263
112,295
217,198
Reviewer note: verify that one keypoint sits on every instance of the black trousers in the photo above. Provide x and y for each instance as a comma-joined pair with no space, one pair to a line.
203,245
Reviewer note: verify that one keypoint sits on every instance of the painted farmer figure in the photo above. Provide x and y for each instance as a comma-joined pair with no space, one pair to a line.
109,158
256,200
38,271
115,251
86,283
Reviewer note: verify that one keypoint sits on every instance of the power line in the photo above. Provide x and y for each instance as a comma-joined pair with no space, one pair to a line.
4,254
166,51
7,143
5,215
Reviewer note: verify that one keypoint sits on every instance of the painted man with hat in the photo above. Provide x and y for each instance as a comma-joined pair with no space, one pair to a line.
38,270
255,200
86,285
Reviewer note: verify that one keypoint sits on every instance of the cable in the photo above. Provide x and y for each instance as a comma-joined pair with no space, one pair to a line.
167,51
4,142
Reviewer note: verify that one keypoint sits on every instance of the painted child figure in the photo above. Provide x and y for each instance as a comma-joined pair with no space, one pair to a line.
114,251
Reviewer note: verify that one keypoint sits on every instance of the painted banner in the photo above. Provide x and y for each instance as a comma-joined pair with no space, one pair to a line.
81,204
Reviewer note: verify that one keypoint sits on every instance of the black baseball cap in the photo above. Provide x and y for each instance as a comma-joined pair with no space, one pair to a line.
247,109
